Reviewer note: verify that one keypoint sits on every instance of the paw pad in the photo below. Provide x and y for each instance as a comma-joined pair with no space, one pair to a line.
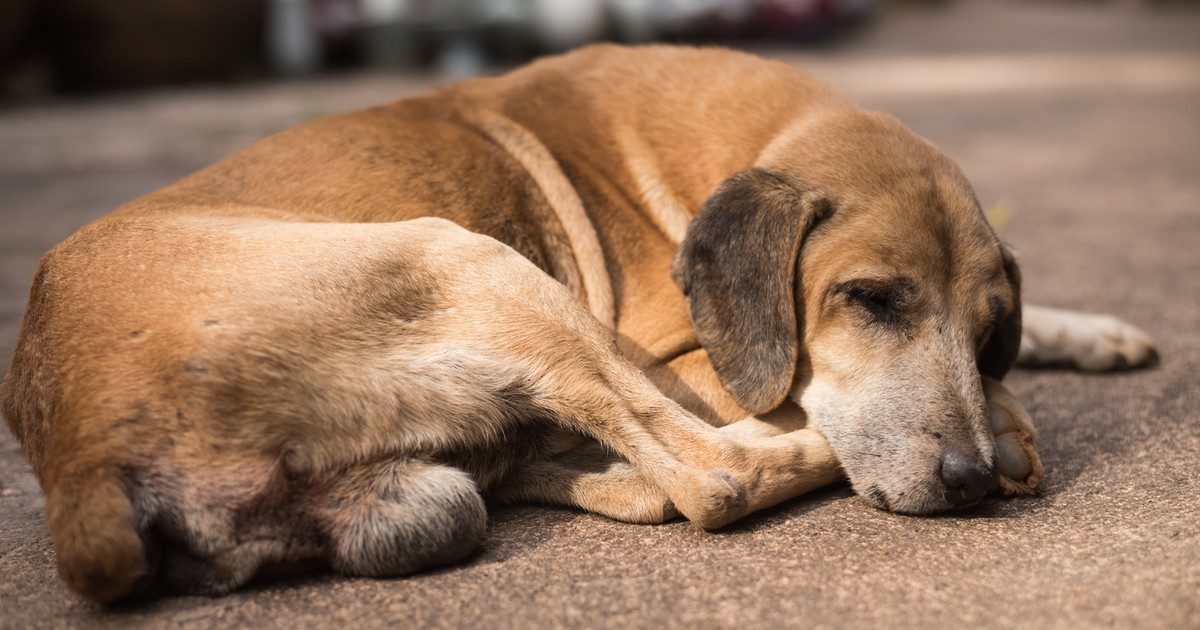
1017,461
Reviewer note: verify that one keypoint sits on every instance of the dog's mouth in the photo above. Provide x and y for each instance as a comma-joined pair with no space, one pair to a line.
930,503
950,500
930,497
962,498
877,498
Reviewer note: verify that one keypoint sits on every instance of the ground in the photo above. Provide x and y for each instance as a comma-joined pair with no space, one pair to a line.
1080,126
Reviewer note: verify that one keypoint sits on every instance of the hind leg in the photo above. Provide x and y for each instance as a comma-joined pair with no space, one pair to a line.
381,519
180,571
595,479
208,529
591,478
400,516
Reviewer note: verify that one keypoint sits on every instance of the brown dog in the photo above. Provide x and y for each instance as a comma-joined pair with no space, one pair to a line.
277,359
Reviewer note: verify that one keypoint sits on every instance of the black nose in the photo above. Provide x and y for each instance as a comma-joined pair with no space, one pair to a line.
967,479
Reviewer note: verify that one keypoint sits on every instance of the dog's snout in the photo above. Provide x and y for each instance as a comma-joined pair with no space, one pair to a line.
967,478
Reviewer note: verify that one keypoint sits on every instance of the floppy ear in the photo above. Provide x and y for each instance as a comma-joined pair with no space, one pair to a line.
999,354
737,267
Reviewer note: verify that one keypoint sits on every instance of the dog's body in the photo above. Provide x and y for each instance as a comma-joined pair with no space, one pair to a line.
273,359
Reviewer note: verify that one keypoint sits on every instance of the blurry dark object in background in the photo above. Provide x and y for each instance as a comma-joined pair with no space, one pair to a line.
16,16
293,43
119,43
458,36
18,73
87,45
797,21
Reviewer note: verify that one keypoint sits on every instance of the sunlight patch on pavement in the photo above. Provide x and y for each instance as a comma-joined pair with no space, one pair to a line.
975,75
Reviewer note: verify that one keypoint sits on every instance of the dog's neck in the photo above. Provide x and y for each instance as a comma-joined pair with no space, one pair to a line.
675,131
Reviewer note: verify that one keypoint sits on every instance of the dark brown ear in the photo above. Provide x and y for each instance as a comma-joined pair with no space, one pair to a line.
999,354
737,268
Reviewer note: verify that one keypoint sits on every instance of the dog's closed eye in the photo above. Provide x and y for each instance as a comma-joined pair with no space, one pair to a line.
884,301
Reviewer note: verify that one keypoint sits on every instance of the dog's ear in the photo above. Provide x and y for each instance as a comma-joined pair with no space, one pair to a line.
737,268
999,353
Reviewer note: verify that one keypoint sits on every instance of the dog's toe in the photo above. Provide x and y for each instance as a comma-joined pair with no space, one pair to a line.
712,499
1011,459
1018,464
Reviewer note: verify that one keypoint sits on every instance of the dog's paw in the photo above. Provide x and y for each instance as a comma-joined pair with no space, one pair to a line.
710,499
1084,341
1018,465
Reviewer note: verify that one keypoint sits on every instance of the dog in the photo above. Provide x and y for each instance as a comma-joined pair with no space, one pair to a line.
646,282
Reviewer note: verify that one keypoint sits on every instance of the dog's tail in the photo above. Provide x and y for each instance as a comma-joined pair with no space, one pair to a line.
100,553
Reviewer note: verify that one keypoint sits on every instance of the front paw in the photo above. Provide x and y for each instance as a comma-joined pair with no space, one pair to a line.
1084,341
1017,462
712,499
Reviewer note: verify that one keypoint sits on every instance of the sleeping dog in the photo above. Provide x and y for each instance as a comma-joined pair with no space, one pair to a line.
646,282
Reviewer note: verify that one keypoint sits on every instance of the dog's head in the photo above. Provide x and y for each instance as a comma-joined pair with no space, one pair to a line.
853,270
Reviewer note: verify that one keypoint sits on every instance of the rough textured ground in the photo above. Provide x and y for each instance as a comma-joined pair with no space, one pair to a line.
1083,122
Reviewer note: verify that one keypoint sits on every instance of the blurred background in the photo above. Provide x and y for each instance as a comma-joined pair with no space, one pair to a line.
78,46
87,45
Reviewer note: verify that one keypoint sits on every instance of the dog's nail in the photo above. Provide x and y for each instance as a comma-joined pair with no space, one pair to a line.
1121,363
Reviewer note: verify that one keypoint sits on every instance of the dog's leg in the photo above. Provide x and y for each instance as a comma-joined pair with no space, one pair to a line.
381,519
710,477
1084,341
590,478
595,479
180,571
506,344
